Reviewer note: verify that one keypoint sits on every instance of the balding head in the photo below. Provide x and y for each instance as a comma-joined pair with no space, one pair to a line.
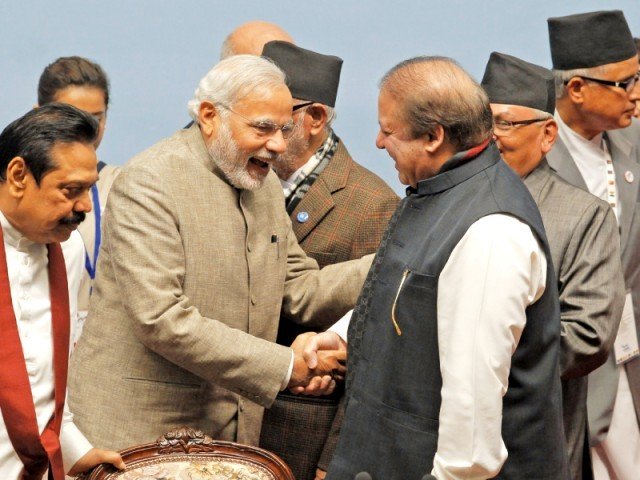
437,91
249,38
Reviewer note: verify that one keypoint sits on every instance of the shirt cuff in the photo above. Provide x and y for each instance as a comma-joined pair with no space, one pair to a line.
74,445
342,326
287,377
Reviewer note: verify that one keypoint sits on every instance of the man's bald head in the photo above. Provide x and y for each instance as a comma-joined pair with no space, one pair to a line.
249,38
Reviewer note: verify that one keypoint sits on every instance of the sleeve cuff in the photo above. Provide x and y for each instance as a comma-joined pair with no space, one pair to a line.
74,445
287,377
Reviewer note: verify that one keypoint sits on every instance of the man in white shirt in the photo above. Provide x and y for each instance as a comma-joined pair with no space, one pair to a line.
47,165
596,67
453,345
582,232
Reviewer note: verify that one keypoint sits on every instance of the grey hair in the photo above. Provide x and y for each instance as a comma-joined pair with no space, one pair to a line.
331,116
541,114
233,79
437,91
563,76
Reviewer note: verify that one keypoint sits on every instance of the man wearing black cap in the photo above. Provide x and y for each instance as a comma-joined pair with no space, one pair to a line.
582,233
596,67
339,211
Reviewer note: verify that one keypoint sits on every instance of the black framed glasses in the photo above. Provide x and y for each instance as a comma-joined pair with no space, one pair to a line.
506,127
627,85
302,105
265,128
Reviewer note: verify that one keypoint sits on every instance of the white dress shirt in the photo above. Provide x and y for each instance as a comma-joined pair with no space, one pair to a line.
28,276
494,273
590,156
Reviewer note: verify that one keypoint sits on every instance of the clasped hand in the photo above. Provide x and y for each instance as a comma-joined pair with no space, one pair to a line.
319,362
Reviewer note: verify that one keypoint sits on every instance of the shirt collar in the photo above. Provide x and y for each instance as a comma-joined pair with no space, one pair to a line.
13,236
574,139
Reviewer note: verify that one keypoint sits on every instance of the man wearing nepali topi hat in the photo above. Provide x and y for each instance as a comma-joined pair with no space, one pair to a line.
596,68
582,234
339,211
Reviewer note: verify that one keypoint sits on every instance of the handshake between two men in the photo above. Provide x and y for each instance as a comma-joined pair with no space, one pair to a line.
319,362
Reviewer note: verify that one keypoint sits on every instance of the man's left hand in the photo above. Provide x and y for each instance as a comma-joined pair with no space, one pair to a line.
94,457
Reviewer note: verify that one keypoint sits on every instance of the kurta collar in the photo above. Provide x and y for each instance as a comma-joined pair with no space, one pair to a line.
13,236
458,169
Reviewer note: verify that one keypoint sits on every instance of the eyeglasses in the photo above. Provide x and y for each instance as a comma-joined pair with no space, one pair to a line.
266,128
627,85
301,105
505,127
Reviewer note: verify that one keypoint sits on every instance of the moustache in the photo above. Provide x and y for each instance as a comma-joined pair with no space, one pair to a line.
76,218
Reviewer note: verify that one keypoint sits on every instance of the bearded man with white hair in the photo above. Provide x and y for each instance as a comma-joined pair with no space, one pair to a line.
198,261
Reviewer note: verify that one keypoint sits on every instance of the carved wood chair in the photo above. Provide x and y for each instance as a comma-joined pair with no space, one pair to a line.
188,454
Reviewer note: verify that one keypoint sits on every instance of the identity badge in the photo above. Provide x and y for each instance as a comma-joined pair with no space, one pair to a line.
626,344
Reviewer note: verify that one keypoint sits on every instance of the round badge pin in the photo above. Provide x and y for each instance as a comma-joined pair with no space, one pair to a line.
628,176
302,217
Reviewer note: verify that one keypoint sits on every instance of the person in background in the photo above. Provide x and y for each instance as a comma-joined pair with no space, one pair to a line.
595,64
582,233
84,84
339,211
251,37
47,166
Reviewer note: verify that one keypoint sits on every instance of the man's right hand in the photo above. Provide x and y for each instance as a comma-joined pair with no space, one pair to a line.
330,366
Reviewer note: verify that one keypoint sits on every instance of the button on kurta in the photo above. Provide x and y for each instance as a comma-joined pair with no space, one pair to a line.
253,299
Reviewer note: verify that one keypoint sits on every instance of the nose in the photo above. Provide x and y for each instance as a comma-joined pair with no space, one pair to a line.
83,204
380,140
277,143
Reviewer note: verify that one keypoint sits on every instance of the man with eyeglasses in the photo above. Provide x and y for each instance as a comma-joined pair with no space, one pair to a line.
582,234
339,211
198,262
595,63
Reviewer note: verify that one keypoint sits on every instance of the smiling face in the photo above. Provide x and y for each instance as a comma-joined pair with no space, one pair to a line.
50,211
244,151
408,153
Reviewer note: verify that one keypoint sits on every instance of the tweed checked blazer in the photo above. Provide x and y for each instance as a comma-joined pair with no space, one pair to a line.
349,208
584,242
193,274
624,146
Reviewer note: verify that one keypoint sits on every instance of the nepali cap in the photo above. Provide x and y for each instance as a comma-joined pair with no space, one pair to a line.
310,76
511,81
590,39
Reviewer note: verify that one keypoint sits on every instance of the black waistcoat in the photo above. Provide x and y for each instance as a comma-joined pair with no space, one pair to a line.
394,382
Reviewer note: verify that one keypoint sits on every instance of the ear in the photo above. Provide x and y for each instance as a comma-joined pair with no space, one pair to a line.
319,117
17,177
575,89
549,135
208,118
435,139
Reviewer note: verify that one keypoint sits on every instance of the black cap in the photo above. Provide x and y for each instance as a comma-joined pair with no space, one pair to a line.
310,75
590,39
511,81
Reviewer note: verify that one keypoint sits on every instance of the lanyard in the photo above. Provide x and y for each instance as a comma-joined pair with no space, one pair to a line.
91,268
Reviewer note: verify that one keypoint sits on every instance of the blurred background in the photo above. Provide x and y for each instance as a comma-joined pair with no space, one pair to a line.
156,51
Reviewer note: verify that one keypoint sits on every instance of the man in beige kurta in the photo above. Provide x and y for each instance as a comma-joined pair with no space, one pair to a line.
198,260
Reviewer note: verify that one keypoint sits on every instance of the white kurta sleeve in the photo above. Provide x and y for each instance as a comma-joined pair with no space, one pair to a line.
492,275
73,443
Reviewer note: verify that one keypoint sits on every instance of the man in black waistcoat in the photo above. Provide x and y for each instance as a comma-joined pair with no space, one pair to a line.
453,345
